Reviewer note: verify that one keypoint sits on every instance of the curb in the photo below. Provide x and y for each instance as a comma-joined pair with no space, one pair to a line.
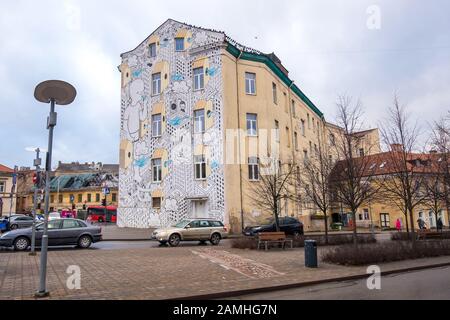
237,293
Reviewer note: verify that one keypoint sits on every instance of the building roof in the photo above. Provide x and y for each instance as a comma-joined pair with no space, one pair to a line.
88,167
83,181
6,169
250,54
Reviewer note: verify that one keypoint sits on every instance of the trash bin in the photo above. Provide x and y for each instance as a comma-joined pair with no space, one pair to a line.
311,253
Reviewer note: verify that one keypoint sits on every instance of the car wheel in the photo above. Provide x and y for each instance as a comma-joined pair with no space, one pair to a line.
14,227
21,244
174,240
84,242
215,239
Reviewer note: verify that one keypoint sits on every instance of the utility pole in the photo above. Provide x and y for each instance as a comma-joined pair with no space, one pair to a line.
37,185
13,188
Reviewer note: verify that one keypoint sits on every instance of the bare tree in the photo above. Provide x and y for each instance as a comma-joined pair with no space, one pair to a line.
404,186
315,181
275,185
352,177
434,191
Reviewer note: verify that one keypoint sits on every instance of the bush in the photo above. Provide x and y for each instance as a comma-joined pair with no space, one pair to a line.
299,242
385,252
404,236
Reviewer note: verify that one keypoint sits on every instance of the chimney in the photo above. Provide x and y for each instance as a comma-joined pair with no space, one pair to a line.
396,147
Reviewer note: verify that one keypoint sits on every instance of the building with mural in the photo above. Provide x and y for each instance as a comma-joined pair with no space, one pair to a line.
200,114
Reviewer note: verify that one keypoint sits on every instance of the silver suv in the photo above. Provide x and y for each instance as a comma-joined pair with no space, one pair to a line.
192,230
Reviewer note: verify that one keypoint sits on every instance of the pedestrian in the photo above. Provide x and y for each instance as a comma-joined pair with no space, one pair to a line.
421,224
398,225
439,224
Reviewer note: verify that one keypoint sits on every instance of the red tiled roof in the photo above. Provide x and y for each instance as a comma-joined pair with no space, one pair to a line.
6,169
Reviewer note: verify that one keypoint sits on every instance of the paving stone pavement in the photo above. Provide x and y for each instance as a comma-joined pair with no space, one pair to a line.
163,273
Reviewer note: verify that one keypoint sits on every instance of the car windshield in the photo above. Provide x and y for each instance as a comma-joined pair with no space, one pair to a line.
181,224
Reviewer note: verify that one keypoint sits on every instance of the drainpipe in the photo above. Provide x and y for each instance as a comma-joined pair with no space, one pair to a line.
292,140
239,140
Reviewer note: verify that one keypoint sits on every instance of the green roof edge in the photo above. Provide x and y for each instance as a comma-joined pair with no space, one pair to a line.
272,66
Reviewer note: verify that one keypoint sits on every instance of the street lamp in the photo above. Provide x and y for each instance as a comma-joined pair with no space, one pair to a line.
61,93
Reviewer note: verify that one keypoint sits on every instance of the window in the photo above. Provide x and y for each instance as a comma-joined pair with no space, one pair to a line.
114,197
97,197
310,148
152,50
253,169
156,83
296,141
199,79
80,198
252,124
179,44
199,121
274,92
288,136
157,170
250,83
204,224
195,224
305,154
309,121
332,140
52,199
70,224
156,202
89,197
216,224
156,125
54,224
200,167
277,131
2,186
361,152
366,214
293,108
60,198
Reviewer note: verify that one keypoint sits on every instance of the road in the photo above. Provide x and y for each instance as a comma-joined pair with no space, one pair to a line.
419,285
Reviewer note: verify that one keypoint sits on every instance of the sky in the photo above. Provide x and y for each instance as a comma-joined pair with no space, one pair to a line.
367,49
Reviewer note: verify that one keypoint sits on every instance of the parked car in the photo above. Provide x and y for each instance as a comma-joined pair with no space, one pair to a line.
19,222
61,232
192,230
288,225
54,216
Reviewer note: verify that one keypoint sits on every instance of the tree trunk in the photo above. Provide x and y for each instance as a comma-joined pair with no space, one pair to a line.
406,223
413,233
355,232
326,228
277,222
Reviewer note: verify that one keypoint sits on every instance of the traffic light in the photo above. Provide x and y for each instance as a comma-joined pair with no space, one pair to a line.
104,202
36,179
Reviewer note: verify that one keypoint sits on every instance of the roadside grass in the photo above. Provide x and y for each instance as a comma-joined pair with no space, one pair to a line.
404,236
299,242
385,252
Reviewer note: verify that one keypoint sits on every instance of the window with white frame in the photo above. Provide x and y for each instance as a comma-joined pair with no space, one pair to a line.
156,125
200,167
252,124
366,214
199,78
179,44
2,186
199,121
152,50
250,83
277,131
156,83
157,170
253,169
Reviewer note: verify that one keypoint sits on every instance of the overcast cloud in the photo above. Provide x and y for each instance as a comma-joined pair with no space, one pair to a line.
325,44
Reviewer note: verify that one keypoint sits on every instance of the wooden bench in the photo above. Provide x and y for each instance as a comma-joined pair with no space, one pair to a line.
267,238
428,234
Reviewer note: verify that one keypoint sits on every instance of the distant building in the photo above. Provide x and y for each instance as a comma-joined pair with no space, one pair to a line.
6,183
73,186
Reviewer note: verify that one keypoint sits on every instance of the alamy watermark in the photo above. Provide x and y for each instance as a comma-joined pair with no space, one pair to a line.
374,281
74,280
374,17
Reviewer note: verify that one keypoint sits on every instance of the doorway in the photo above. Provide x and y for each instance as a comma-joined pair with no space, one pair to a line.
385,220
199,209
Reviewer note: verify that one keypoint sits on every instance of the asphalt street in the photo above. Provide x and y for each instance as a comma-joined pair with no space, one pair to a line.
429,284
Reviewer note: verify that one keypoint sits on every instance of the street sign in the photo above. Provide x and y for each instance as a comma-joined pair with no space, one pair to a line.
72,198
106,191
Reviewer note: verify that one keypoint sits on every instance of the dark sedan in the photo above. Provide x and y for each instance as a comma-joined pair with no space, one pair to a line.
288,225
61,232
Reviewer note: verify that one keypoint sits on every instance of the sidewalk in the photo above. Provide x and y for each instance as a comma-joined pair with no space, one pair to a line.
112,232
168,273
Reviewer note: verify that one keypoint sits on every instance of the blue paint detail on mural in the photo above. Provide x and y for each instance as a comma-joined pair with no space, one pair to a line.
141,162
214,164
175,122
189,40
137,73
167,163
209,114
212,71
177,77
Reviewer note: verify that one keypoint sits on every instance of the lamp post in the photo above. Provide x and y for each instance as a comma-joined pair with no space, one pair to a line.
61,93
